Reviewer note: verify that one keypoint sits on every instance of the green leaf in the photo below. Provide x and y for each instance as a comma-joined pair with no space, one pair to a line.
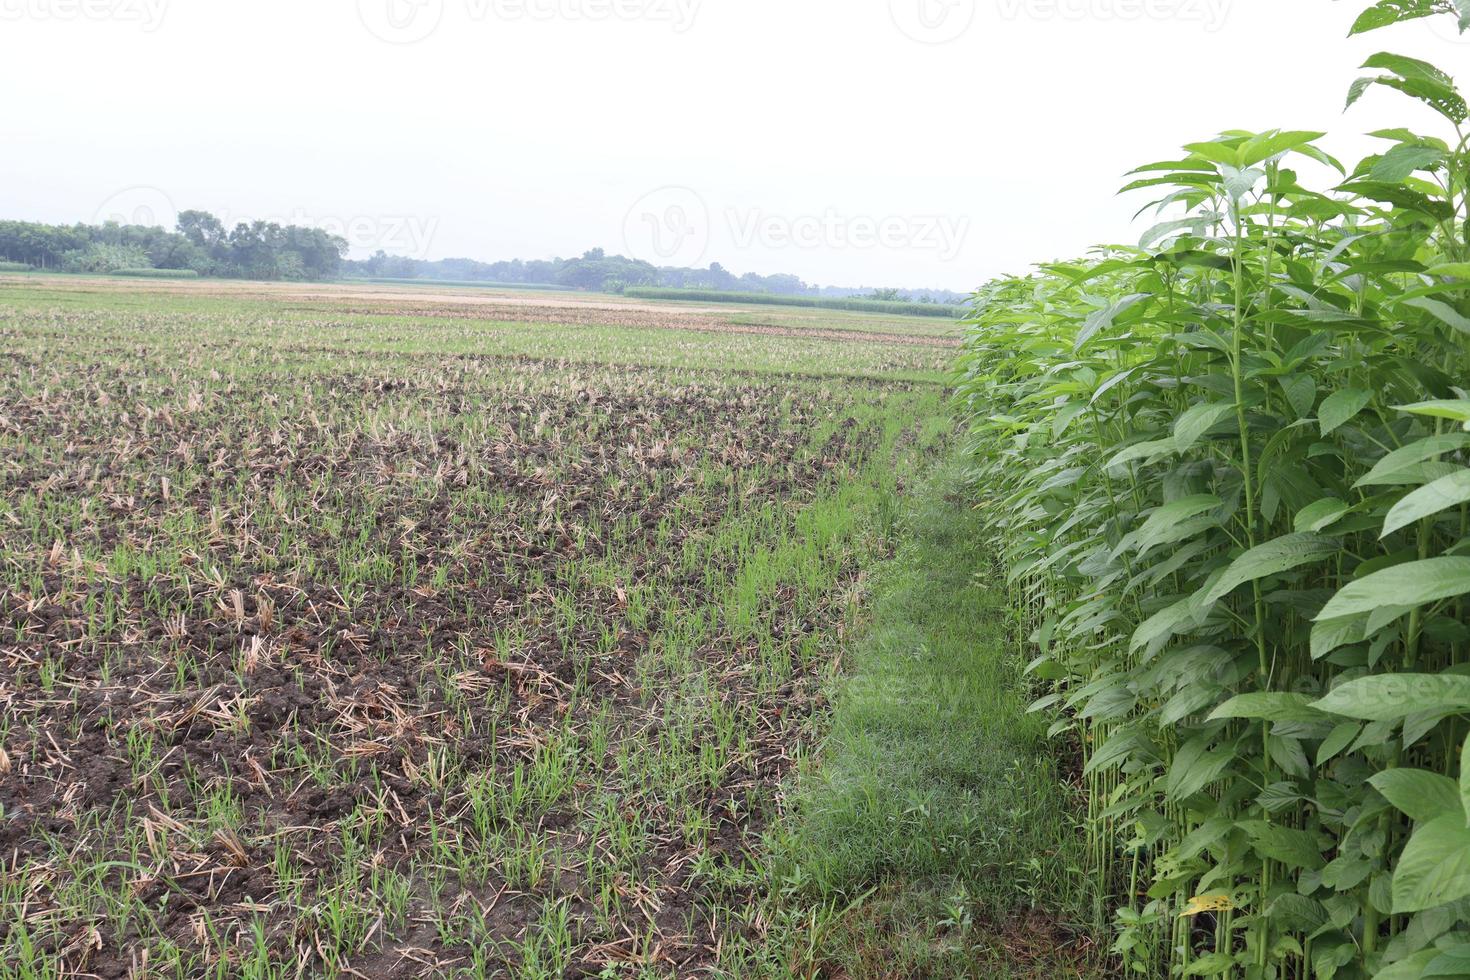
1165,525
1391,697
1455,409
1341,406
1143,450
1210,965
1293,848
1434,867
1452,962
1272,558
1442,494
1332,634
1387,12
1320,514
1420,794
1301,393
1403,160
1409,968
1196,421
1194,768
1443,312
1407,456
1340,738
1453,270
1103,319
1465,778
1269,706
1412,584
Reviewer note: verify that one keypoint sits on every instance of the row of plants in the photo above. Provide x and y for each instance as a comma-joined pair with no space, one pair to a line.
1229,475
852,304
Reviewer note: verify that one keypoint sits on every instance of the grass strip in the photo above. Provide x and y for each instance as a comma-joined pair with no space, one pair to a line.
936,834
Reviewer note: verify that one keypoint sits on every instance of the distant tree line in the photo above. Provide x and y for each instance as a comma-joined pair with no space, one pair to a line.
595,270
200,243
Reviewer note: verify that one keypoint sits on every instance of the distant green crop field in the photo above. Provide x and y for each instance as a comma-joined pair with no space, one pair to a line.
157,273
469,283
813,302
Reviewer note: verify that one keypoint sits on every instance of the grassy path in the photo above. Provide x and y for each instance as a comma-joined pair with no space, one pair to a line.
934,839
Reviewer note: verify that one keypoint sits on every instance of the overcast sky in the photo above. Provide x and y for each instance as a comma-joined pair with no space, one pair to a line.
850,142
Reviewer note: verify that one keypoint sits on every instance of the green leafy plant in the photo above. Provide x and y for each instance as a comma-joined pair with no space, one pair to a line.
1227,469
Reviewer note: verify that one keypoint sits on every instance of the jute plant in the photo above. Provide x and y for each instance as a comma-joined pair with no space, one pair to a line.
1229,473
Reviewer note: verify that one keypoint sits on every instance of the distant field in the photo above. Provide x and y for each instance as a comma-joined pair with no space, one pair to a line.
352,631
813,302
470,283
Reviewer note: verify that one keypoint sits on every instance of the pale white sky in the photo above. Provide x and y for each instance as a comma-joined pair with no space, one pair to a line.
850,142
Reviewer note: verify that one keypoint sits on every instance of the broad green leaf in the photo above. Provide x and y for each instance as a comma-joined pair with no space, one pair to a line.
1293,848
1196,421
1391,697
1340,738
1442,494
1267,705
1434,867
1272,558
1194,767
1387,12
1443,312
1401,161
1163,623
1142,450
1238,183
1415,452
1457,410
1103,319
1210,965
1412,584
1320,514
1332,634
1420,794
1164,524
1465,778
1301,393
1340,407
1452,962
1411,967
1454,270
